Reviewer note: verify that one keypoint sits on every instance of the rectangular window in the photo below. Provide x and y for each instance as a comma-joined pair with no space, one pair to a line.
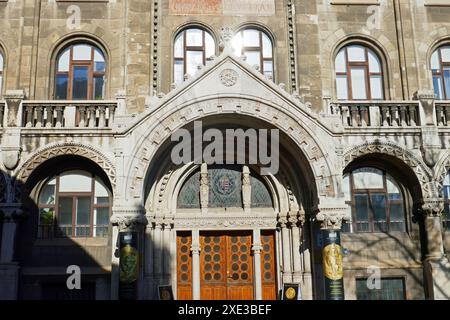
447,81
65,216
390,289
194,38
98,87
178,71
358,76
268,68
378,204
83,218
362,212
253,58
101,221
397,217
342,87
61,86
80,83
376,87
193,60
438,90
251,38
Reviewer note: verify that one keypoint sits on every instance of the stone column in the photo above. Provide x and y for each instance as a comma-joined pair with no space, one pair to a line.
246,190
436,264
257,247
148,259
295,223
286,253
195,249
331,223
204,188
130,228
9,269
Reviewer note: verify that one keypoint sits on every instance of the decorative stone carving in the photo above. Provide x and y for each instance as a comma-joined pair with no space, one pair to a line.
433,207
11,157
246,189
226,37
421,170
204,188
69,148
127,222
221,222
13,99
228,77
332,218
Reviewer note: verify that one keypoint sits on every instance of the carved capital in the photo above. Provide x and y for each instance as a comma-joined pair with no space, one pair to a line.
331,218
129,222
226,37
433,207
195,249
12,212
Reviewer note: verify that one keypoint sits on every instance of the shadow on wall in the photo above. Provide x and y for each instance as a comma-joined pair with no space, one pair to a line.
47,254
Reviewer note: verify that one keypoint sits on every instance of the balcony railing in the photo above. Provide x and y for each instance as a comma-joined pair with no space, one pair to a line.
68,114
443,113
377,113
2,112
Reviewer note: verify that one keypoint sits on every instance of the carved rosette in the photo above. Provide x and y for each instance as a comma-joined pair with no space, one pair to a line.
129,222
228,77
433,207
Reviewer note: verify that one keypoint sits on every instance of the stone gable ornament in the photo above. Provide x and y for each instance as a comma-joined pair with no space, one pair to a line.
228,77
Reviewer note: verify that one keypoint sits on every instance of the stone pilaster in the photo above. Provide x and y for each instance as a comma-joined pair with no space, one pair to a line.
9,269
436,264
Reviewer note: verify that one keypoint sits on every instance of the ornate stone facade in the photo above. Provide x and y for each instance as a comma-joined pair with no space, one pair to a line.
125,139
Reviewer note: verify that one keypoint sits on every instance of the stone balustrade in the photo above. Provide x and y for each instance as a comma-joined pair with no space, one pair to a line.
377,113
68,114
443,113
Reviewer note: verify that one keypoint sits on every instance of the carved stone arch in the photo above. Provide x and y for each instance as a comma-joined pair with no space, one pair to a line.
423,173
441,170
168,121
61,149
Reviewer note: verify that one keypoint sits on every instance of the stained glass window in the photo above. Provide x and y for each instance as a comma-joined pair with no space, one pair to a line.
189,196
225,189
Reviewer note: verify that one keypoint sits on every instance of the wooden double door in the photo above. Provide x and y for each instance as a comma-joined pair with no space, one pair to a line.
227,266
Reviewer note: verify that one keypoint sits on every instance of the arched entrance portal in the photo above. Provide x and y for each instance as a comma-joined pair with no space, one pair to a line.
224,231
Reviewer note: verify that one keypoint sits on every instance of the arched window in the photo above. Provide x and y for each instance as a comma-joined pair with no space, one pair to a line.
1,73
74,204
225,189
376,201
440,66
80,73
193,47
257,48
359,74
446,218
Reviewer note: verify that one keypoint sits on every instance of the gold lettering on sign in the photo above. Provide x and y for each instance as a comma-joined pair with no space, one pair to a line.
222,7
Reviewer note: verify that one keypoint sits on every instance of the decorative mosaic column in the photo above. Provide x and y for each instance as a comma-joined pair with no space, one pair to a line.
130,227
331,223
